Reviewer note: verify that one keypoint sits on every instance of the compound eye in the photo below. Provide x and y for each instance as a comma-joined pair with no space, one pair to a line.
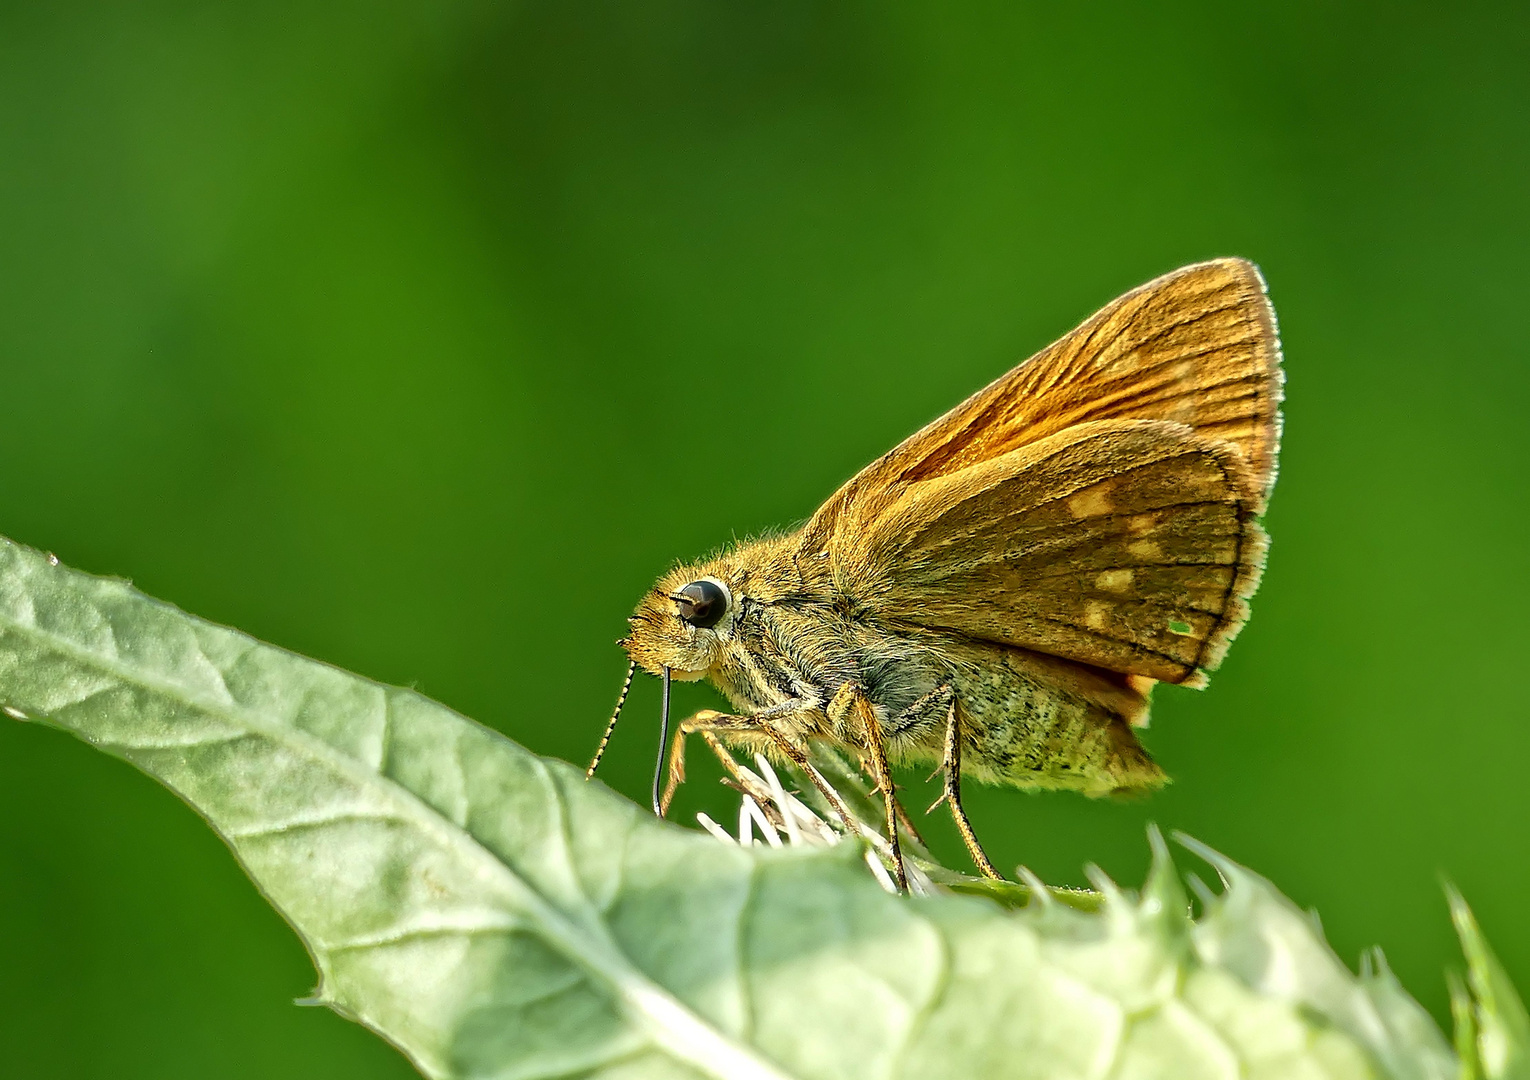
702,604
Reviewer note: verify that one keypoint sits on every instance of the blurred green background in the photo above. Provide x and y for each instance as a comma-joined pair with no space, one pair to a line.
421,336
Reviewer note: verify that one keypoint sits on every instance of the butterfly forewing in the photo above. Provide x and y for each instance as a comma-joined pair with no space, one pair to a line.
1197,346
1097,503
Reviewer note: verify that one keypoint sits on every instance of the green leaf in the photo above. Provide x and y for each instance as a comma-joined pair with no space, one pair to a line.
1492,1027
494,915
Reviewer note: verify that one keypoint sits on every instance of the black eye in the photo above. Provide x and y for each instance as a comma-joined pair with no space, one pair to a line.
702,603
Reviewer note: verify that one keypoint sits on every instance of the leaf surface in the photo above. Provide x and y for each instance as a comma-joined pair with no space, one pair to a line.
494,915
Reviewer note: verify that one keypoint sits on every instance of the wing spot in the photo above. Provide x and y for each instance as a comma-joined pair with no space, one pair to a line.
1144,549
1140,524
1093,502
1118,580
1094,615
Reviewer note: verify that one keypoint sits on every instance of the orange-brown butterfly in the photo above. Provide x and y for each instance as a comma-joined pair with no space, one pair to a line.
997,594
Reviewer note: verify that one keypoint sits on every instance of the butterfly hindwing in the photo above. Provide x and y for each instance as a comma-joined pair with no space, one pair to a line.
1127,545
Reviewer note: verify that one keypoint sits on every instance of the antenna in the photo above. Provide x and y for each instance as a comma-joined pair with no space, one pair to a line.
615,716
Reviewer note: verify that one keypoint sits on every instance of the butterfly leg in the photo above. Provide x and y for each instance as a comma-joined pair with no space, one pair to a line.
952,796
707,720
762,723
915,722
852,700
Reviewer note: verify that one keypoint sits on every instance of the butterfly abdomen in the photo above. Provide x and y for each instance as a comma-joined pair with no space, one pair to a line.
1033,721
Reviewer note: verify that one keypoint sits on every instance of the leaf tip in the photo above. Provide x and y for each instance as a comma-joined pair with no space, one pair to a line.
1104,885
1040,890
1163,894
1495,1022
1226,869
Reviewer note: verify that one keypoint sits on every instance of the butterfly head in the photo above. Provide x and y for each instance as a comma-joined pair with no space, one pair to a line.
682,622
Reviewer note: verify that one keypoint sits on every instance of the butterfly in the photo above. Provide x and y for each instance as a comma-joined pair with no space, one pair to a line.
998,594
